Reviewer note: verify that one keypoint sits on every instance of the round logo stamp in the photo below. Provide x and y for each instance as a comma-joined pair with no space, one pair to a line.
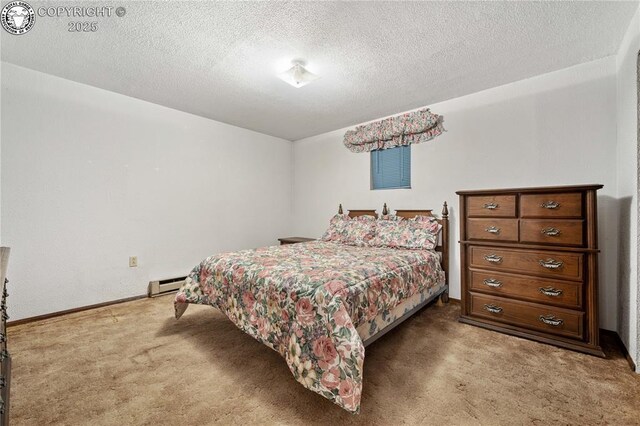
17,17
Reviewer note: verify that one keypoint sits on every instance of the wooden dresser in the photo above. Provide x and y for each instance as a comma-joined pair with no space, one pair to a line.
529,263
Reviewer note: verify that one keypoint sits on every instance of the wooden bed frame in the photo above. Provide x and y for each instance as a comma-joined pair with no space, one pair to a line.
442,248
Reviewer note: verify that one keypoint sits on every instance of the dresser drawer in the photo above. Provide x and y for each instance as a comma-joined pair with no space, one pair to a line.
533,316
492,229
561,293
551,231
545,263
492,206
567,205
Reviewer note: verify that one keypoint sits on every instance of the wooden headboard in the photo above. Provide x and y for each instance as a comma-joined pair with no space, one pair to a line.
356,213
443,243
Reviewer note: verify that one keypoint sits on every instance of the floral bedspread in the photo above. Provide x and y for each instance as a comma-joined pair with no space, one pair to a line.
306,300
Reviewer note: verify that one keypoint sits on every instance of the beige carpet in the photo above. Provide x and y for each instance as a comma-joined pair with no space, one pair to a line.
135,364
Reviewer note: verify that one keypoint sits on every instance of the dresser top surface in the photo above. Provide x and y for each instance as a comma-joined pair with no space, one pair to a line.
538,189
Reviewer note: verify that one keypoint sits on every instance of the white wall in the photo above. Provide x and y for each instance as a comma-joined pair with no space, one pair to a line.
554,129
627,113
90,177
0,156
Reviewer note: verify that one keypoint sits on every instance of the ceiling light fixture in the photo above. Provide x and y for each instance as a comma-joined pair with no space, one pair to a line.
298,75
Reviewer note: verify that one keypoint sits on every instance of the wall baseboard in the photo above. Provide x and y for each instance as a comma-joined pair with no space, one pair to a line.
101,305
73,310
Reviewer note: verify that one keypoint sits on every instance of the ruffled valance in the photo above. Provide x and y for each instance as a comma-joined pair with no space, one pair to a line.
406,129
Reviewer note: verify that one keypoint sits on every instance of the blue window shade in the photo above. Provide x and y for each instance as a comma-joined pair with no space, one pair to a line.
391,168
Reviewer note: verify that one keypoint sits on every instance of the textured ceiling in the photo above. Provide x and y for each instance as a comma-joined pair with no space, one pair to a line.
220,60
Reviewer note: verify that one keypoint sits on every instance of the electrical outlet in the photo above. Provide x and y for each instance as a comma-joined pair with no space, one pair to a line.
133,261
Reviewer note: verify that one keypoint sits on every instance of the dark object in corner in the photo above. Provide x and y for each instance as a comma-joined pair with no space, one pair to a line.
5,357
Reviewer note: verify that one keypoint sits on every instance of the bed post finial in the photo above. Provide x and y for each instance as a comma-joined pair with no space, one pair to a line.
385,210
444,297
340,209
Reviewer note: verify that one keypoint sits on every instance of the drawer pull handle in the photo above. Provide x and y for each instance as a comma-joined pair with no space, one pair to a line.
492,282
493,258
491,206
551,232
551,205
493,230
551,320
550,291
493,309
551,264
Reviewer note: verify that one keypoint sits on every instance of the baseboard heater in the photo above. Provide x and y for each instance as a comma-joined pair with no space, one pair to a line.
160,287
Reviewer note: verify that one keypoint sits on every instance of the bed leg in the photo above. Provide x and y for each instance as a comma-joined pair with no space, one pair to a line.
444,298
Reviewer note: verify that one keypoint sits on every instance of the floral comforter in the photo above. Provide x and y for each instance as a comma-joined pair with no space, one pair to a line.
306,300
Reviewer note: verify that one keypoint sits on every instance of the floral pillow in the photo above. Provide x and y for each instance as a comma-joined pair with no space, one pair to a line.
428,222
336,229
424,231
359,231
420,232
389,233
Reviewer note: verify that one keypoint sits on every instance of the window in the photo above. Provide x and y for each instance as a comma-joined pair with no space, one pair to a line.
391,168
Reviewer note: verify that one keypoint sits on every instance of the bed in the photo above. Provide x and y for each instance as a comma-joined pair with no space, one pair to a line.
320,303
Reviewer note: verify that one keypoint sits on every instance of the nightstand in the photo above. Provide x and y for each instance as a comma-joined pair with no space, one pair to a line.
294,240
